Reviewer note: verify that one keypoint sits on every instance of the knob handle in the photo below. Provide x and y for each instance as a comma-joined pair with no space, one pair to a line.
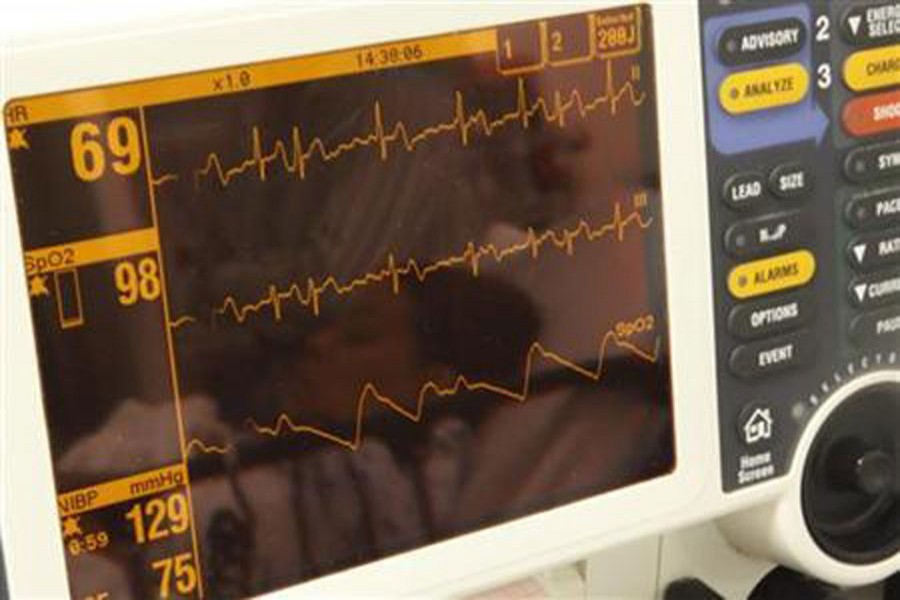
857,467
690,589
783,583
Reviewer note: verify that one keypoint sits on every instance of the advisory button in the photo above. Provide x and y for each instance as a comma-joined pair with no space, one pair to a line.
762,42
770,275
764,89
873,69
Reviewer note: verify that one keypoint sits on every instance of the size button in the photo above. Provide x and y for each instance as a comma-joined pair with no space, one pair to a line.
873,69
791,181
770,275
764,89
762,42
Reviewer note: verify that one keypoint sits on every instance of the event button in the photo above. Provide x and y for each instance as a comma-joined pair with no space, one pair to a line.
764,89
874,210
873,115
871,163
873,69
772,356
770,275
762,42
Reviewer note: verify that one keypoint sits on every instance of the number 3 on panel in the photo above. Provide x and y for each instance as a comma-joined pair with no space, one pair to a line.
89,148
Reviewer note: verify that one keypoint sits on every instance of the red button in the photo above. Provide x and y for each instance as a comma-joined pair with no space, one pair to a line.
873,115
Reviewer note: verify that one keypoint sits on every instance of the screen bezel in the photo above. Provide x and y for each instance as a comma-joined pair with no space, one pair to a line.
476,559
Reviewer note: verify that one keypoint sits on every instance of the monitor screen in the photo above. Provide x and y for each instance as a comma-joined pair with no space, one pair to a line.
295,316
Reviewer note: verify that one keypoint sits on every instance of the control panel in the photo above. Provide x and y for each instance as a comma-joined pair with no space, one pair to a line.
803,115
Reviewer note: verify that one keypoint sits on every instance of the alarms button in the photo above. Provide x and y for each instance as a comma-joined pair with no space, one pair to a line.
761,359
771,275
876,290
791,181
874,210
764,235
877,328
772,317
875,251
743,190
762,42
873,115
877,23
764,89
872,163
873,69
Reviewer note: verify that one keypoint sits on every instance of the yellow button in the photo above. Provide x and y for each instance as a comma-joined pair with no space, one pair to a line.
873,69
762,89
771,275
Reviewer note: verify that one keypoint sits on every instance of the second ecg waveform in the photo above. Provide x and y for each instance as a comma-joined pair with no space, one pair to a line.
284,424
295,154
309,294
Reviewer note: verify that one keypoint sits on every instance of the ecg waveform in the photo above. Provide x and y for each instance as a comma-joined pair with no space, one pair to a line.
309,294
284,424
463,125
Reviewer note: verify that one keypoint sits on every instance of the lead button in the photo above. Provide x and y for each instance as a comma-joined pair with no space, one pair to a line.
761,359
743,190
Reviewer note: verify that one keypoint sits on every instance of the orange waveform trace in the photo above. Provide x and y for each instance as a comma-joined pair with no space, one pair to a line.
295,154
284,424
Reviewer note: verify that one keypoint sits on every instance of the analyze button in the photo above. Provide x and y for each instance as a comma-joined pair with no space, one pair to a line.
764,89
771,275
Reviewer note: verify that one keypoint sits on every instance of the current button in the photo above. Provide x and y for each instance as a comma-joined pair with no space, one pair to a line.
770,275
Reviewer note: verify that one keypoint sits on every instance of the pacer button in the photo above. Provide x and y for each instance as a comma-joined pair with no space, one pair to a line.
772,316
873,69
877,328
876,209
873,115
764,89
872,163
772,356
770,275
876,290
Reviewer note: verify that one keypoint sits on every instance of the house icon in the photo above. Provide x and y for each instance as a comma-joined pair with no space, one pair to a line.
758,426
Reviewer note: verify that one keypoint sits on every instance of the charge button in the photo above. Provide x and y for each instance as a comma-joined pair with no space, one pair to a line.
771,356
770,275
873,69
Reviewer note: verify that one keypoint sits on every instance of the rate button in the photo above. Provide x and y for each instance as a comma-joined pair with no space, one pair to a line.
764,89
